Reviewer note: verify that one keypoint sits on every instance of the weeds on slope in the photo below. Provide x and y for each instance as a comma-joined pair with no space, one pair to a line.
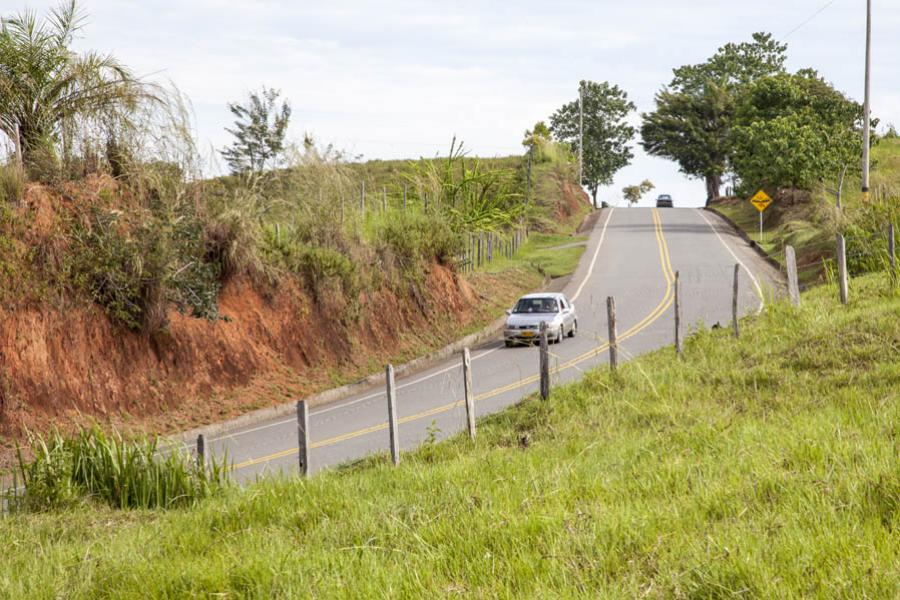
96,466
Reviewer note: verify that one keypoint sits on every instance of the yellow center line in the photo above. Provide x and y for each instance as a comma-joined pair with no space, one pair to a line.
654,315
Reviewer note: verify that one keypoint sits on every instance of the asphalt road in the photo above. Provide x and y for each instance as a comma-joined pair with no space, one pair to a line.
632,255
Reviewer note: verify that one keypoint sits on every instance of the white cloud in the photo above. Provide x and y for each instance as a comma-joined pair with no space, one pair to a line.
398,78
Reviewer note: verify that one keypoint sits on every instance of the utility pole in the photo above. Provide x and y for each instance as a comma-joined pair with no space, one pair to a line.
580,133
867,105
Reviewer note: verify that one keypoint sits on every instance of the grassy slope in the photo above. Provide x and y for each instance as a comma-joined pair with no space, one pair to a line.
766,467
803,225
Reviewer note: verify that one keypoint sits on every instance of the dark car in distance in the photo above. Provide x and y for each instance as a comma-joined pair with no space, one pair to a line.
664,201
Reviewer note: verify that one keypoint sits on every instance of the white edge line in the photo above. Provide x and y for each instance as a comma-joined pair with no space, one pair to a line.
594,258
343,405
759,292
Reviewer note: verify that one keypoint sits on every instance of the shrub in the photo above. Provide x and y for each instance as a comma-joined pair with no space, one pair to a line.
316,265
136,264
417,238
93,465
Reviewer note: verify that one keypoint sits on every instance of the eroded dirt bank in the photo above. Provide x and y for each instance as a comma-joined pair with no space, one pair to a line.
64,368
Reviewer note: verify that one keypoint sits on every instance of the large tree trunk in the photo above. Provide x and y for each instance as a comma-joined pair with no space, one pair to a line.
594,197
17,140
713,184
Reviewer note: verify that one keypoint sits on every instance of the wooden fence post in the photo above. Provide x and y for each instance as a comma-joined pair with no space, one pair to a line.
545,363
734,301
303,437
384,199
467,389
892,252
404,195
201,451
613,341
490,243
480,248
790,259
843,284
679,342
392,414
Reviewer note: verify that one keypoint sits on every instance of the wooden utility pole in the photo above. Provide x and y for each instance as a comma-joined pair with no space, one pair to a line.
201,451
867,104
842,269
613,338
392,414
545,363
679,341
467,390
734,302
303,437
790,259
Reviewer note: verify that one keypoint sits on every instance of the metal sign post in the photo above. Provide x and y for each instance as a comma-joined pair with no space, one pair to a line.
761,201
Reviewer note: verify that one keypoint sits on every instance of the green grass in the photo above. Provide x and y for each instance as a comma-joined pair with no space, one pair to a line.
760,468
541,252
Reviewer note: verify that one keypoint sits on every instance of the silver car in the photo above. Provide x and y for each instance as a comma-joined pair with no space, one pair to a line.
523,323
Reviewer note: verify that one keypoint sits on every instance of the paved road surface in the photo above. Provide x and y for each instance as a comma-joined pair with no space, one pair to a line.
632,255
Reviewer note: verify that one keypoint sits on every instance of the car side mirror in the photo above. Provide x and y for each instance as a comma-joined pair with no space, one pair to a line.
508,311
572,307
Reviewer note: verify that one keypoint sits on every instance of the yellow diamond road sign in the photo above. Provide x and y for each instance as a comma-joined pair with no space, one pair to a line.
761,200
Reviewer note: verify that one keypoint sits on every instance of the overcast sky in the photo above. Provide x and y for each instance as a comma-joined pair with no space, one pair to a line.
398,79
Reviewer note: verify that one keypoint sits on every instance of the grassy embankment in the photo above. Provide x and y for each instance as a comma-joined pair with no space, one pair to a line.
810,225
761,467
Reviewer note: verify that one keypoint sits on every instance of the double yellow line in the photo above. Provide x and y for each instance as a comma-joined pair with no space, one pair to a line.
655,314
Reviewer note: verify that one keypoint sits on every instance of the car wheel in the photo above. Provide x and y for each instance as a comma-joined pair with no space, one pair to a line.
508,343
574,329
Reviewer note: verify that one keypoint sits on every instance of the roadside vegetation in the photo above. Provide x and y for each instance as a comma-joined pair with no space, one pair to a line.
741,118
114,229
761,467
810,220
92,467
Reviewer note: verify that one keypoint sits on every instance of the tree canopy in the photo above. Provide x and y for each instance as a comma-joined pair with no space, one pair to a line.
634,193
695,112
794,130
259,130
606,131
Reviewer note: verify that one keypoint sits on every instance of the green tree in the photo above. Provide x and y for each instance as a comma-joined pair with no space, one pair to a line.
606,132
536,136
794,130
45,86
259,130
634,193
695,112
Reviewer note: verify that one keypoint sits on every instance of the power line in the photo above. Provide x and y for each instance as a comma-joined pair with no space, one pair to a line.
807,21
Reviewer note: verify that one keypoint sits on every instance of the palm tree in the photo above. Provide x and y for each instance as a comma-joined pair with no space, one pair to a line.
45,86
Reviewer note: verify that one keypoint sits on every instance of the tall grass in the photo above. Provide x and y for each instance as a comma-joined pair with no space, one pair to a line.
95,466
12,184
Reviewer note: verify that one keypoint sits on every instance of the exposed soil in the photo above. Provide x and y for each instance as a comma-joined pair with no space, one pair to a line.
64,369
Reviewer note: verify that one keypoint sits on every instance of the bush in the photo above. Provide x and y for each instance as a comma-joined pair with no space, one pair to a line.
316,265
123,474
136,264
415,239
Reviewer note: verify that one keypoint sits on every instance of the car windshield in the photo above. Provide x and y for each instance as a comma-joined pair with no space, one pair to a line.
536,305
